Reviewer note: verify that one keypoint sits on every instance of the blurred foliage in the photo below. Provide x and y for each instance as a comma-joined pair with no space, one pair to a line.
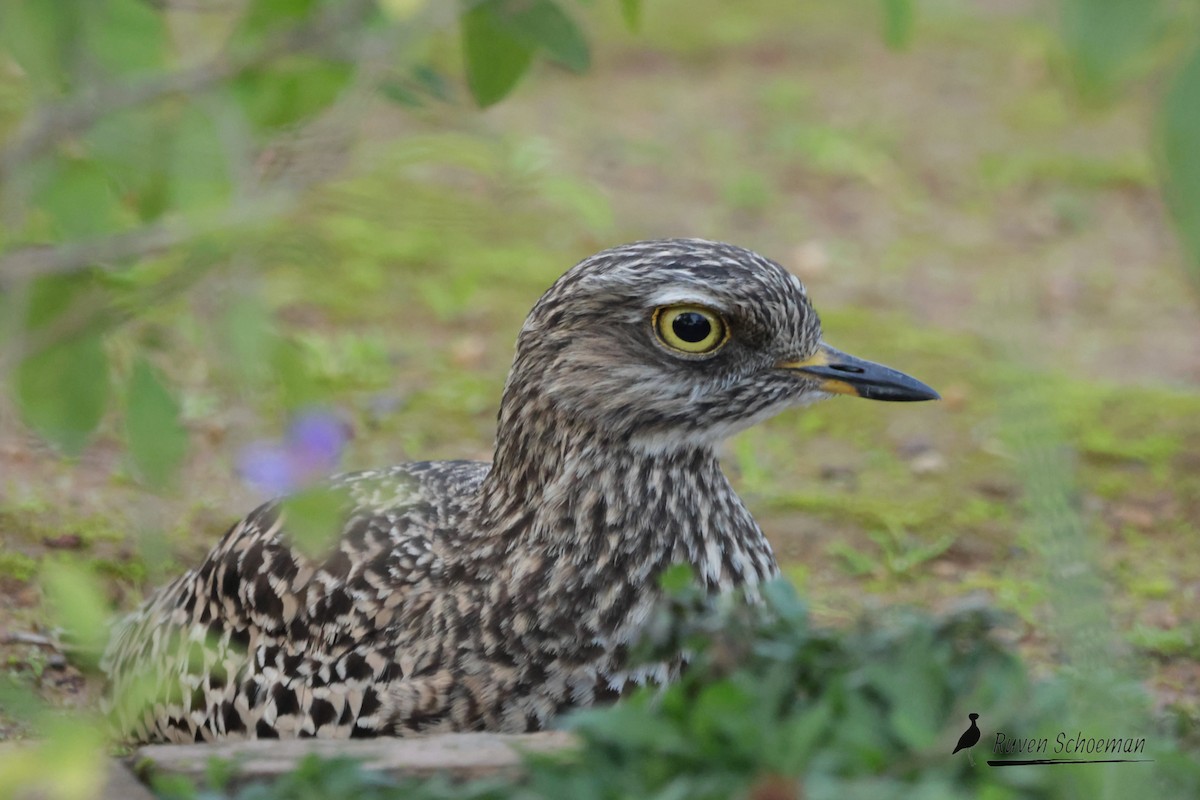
1180,126
773,706
67,762
146,143
500,38
148,147
1108,44
898,17
1105,40
1111,41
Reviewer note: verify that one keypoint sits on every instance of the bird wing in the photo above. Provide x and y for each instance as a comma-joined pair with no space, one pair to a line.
265,639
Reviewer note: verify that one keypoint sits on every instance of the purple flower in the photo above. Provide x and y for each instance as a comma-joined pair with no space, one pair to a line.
310,450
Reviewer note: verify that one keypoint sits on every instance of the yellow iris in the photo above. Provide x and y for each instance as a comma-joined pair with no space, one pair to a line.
690,329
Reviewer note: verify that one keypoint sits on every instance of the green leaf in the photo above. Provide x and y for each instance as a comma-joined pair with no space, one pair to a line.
157,440
716,708
77,605
806,729
62,391
126,36
262,18
42,37
898,18
52,296
677,578
132,147
80,199
631,12
914,684
294,375
542,23
313,518
496,58
1180,131
290,90
248,337
199,171
1103,37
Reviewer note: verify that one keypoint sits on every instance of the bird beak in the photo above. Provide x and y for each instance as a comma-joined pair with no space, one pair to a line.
842,373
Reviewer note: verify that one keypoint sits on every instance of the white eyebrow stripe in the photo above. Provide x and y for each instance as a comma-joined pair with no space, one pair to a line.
688,295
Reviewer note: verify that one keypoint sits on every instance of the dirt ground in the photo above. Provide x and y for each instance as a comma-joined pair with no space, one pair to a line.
953,208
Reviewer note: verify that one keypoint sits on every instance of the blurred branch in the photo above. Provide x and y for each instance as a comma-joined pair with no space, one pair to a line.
24,637
107,252
195,6
92,313
42,260
55,122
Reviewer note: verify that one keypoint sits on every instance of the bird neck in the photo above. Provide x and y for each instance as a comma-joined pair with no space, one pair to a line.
594,502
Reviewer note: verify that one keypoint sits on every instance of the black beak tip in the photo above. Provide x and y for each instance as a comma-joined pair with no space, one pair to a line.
914,392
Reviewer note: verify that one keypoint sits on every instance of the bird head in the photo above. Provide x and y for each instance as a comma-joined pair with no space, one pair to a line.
683,342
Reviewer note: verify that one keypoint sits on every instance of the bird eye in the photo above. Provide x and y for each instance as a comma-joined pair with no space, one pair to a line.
690,329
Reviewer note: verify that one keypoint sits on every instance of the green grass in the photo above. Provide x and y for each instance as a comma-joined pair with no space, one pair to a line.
18,566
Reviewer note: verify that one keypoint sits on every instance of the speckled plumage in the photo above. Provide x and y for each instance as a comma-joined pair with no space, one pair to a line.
465,595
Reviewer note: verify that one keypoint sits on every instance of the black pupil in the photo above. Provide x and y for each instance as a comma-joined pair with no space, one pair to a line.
691,327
